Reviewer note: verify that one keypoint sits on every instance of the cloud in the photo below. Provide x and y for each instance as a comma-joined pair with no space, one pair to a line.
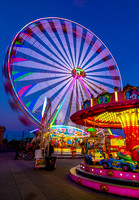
80,3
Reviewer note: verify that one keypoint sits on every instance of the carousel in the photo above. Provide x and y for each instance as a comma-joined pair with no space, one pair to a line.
119,175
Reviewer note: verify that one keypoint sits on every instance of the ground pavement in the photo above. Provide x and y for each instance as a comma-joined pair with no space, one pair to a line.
19,180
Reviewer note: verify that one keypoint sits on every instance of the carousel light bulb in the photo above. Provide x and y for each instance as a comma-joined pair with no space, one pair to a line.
116,96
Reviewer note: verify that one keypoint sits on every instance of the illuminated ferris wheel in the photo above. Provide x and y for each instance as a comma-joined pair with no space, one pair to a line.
62,60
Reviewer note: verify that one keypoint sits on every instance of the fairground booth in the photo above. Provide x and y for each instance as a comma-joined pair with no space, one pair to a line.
66,140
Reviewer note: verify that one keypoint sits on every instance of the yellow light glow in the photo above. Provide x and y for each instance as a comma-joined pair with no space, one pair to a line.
91,102
116,96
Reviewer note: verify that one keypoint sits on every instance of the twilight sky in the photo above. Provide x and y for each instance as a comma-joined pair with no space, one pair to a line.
115,22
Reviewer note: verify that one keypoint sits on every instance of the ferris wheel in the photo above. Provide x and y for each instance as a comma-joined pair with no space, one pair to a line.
61,60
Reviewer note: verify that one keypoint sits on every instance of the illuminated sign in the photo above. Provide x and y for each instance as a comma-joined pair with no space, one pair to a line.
103,99
132,94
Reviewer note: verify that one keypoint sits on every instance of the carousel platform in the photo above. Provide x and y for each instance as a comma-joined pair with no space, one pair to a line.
107,180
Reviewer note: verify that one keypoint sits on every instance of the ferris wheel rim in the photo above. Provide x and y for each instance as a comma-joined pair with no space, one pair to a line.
13,42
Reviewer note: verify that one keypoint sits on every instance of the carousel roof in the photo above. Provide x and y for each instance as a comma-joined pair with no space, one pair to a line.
105,110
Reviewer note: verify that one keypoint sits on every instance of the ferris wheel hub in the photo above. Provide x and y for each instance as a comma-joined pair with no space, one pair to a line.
78,72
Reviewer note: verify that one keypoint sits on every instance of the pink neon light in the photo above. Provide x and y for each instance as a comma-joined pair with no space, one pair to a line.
85,87
70,87
21,92
17,59
117,174
115,189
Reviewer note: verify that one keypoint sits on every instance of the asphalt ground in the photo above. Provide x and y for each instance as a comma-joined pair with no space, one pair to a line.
19,180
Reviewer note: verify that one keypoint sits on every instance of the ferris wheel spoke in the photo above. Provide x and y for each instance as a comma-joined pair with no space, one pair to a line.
64,98
103,57
77,94
110,72
77,97
103,86
69,110
82,91
46,41
33,65
30,78
59,90
37,30
38,49
50,93
56,86
88,38
73,101
74,97
33,87
49,89
93,88
96,67
57,112
78,35
62,31
85,89
37,56
104,80
67,114
53,65
62,93
83,95
25,76
80,95
56,41
91,53
71,41
42,85
46,25
104,73
64,112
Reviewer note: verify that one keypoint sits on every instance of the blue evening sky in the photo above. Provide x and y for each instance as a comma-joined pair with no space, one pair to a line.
115,22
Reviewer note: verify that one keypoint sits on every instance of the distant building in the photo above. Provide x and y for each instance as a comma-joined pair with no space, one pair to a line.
2,130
